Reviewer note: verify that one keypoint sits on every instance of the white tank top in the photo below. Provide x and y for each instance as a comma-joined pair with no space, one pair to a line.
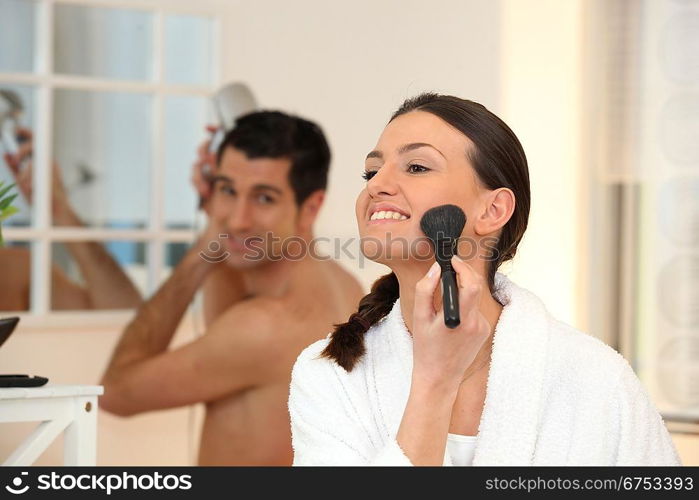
461,448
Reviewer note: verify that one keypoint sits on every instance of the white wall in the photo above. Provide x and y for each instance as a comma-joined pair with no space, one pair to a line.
349,65
541,92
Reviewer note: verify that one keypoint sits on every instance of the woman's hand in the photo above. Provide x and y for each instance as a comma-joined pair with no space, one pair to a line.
442,355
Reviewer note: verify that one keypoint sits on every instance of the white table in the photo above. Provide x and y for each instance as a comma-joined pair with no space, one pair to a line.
58,408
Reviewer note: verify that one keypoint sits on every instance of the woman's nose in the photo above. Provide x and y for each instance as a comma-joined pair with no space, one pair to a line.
383,182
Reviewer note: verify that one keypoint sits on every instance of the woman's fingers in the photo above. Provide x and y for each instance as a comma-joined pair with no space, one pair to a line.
470,286
423,309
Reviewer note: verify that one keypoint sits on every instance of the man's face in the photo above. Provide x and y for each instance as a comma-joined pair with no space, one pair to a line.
253,202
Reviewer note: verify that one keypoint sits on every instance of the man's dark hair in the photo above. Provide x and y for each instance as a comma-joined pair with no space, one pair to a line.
273,134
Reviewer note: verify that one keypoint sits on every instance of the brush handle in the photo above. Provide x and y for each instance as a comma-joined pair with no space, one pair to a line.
450,299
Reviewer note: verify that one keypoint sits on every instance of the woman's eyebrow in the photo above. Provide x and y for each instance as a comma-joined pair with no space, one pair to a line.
404,149
416,145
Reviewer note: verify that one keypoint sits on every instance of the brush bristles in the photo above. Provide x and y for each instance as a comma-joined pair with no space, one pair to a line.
444,222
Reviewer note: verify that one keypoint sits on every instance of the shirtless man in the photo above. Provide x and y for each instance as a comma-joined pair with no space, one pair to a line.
262,307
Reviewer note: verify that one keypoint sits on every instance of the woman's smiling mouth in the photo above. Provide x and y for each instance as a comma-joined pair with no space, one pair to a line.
383,212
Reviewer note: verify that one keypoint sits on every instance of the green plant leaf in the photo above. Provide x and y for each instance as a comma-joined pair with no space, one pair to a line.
6,209
4,191
6,202
8,212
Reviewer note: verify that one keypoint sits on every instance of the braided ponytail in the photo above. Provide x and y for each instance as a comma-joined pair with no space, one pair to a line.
346,345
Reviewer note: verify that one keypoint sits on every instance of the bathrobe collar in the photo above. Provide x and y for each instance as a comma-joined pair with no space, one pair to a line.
508,428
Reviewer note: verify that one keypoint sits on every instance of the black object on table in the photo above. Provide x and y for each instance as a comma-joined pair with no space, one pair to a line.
7,326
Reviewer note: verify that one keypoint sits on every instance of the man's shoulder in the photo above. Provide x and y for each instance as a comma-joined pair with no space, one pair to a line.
348,279
264,314
263,305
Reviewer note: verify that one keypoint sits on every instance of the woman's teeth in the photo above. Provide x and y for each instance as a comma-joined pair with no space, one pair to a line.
387,214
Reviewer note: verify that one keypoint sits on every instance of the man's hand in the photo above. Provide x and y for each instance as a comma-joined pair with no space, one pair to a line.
21,167
20,164
203,170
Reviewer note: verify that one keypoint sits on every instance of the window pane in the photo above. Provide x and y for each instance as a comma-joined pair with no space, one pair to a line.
185,120
114,283
188,50
100,42
17,35
174,252
15,270
103,145
17,105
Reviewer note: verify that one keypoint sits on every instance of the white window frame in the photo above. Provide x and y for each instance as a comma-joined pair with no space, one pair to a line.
45,81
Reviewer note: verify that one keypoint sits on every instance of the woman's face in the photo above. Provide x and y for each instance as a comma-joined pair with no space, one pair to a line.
419,162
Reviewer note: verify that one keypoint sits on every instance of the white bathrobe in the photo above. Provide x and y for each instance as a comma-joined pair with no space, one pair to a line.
555,396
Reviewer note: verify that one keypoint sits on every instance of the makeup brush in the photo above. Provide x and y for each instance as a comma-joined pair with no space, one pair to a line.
443,225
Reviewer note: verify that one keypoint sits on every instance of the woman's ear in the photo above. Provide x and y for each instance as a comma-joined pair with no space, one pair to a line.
309,210
497,208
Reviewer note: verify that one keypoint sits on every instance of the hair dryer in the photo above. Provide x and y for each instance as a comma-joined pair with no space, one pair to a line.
230,102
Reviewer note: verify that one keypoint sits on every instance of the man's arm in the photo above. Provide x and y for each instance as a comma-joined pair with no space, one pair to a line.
15,266
66,294
156,320
107,286
14,270
222,289
241,349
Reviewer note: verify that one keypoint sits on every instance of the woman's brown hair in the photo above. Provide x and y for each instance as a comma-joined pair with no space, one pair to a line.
498,160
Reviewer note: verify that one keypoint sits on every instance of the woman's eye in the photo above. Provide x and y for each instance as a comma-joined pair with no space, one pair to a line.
368,174
414,168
